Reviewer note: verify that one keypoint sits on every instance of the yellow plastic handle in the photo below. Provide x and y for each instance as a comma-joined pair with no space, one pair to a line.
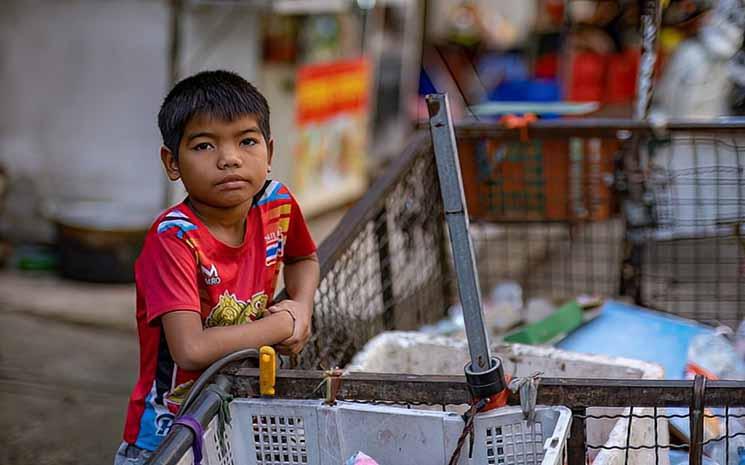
267,370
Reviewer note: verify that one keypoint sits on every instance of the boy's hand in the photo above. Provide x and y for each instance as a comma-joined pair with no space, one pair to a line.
302,314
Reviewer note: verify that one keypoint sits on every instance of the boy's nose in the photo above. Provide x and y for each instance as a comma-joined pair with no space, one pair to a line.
228,159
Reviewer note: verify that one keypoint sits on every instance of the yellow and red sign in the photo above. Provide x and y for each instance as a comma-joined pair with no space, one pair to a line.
331,89
332,118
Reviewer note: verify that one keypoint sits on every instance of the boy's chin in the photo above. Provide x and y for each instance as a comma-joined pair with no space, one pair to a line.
227,202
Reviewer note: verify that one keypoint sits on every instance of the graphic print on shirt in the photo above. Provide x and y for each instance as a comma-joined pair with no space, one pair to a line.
155,422
278,222
178,220
274,247
272,193
230,310
210,275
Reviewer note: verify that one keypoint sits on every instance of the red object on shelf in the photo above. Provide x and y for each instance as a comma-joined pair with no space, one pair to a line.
546,66
621,82
587,82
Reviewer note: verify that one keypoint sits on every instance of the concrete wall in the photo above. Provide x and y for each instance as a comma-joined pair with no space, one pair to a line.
81,82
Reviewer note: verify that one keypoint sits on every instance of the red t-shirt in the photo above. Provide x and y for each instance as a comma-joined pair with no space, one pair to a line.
183,267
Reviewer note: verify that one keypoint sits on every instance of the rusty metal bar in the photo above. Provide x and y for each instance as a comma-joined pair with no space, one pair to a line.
593,127
453,390
696,419
577,438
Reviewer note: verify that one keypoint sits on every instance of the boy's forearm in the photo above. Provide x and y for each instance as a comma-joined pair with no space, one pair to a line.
194,348
301,279
228,339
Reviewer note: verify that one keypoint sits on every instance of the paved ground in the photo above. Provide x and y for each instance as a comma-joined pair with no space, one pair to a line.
63,390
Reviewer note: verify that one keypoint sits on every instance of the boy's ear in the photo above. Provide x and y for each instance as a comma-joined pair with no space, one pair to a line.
269,152
170,164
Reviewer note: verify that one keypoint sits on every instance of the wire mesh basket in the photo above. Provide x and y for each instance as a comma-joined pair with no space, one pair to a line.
687,225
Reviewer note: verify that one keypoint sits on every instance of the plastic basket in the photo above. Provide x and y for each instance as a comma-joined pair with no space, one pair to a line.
274,432
551,179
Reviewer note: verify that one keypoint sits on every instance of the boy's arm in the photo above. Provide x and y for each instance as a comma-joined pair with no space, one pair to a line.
301,277
195,348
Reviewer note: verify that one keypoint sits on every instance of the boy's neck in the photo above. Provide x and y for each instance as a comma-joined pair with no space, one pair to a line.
226,224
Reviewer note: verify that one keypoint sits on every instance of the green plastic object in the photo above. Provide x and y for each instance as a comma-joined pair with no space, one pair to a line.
36,258
564,320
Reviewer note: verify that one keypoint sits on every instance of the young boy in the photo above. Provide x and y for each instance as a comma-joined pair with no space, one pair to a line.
209,266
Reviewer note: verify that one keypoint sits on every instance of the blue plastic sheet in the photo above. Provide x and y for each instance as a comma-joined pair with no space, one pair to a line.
623,330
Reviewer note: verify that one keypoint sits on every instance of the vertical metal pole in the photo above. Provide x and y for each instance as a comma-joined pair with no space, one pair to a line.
650,19
577,438
456,215
631,269
696,419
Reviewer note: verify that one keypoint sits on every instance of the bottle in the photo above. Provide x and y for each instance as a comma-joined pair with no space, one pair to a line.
740,341
712,355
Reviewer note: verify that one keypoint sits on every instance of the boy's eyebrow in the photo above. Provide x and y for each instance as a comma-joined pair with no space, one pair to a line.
199,134
253,129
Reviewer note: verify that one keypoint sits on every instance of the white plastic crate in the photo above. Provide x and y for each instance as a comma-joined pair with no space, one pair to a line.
284,432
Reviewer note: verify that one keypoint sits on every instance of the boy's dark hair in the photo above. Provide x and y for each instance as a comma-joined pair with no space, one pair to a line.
220,94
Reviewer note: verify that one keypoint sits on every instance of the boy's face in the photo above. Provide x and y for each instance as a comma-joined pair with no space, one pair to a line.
222,164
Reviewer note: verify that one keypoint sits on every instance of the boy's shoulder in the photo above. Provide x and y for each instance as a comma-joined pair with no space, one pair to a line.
273,192
173,221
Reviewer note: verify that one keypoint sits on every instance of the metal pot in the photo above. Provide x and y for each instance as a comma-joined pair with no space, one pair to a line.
100,242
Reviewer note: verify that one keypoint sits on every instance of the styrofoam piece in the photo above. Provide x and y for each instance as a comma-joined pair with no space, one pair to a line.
424,354
418,353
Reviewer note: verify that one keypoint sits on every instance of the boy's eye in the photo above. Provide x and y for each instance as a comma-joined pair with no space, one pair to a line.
202,146
249,141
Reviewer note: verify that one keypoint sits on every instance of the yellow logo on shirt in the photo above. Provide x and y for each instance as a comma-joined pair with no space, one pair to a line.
230,310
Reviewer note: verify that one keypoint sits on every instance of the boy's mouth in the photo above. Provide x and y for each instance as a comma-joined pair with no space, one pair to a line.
232,181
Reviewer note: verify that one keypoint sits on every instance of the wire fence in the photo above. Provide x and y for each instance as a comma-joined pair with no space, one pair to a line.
603,207
687,225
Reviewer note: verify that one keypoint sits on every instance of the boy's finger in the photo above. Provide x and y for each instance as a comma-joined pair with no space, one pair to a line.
283,351
295,346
